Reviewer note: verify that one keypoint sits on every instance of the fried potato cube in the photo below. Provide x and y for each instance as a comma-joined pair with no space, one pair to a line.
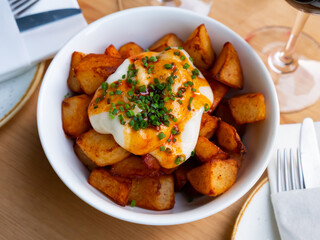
214,177
199,47
238,157
180,175
73,82
207,150
224,113
83,158
152,163
102,149
133,167
219,91
117,188
228,138
227,68
153,193
248,108
112,52
209,125
130,49
75,119
169,40
94,69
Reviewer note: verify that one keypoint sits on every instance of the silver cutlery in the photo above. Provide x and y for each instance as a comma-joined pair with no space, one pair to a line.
289,178
19,6
310,156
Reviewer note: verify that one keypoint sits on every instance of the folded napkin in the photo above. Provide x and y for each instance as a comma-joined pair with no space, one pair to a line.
20,50
297,212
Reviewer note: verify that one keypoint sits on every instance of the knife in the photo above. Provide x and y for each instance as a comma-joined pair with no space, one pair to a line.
38,19
309,153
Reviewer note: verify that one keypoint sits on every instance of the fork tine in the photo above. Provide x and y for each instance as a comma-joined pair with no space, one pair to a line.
26,7
13,2
279,170
18,4
293,179
301,183
286,179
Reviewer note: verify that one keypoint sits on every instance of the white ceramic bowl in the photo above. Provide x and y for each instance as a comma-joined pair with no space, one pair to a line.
144,26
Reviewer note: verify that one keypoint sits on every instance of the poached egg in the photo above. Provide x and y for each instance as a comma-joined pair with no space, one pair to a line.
153,104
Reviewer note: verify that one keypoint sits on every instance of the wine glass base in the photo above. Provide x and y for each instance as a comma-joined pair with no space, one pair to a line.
300,86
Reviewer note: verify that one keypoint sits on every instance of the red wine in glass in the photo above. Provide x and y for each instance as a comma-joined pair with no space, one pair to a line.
292,58
308,6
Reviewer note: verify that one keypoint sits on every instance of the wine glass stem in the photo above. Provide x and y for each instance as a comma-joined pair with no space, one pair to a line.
288,51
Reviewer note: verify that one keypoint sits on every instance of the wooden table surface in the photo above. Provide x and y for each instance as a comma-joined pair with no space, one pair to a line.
35,204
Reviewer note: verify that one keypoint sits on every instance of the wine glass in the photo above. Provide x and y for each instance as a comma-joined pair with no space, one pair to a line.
200,6
292,57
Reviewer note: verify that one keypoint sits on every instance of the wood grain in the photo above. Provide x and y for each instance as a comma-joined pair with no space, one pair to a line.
35,204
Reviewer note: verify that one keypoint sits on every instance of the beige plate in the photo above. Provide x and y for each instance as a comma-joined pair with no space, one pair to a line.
256,219
15,92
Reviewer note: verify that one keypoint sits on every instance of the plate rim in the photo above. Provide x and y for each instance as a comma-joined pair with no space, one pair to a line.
27,94
245,205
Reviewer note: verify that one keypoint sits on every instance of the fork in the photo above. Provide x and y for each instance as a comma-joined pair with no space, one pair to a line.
284,175
19,6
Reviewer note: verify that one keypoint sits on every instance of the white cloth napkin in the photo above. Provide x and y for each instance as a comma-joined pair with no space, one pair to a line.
22,50
297,212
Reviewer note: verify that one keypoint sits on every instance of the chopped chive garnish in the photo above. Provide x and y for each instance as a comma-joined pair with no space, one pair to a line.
111,115
131,123
182,58
111,93
121,109
127,106
178,160
130,93
190,83
95,107
167,48
189,106
174,140
115,111
180,48
180,102
194,90
191,59
168,140
152,59
174,131
196,72
177,53
162,148
104,86
118,92
186,66
193,76
142,88
206,107
193,153
168,66
97,100
133,203
161,135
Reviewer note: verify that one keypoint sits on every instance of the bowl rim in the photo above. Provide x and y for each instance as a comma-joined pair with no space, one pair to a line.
165,218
